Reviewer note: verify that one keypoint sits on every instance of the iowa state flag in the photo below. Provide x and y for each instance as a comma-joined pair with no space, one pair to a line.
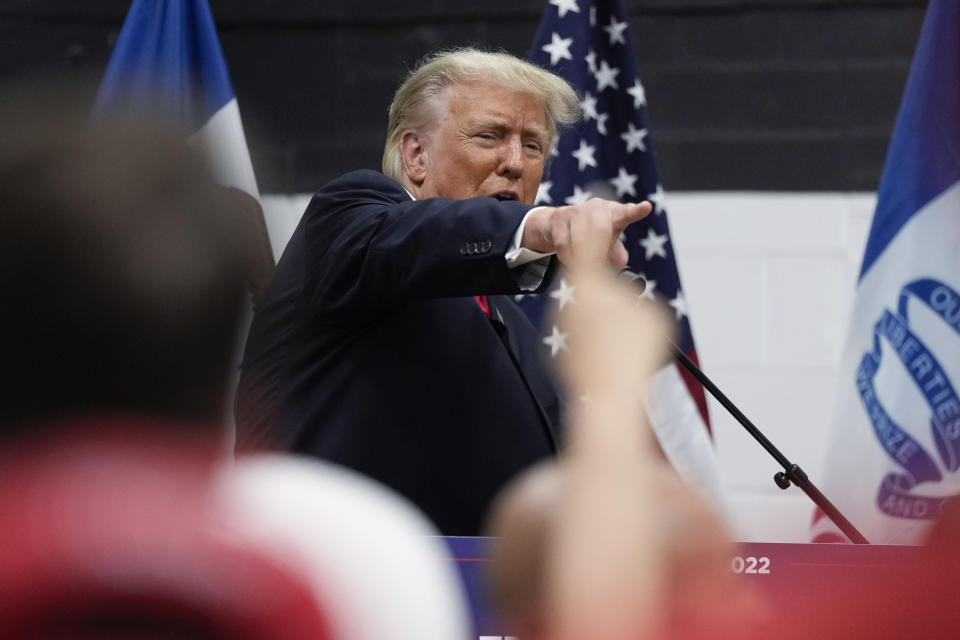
609,154
168,63
894,458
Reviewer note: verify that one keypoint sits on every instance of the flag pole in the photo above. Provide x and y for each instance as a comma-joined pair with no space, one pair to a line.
792,473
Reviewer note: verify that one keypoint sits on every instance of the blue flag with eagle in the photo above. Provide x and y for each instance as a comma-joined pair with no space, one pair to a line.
894,458
609,154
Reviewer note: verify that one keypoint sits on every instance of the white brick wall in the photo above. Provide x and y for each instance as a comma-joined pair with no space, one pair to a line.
769,279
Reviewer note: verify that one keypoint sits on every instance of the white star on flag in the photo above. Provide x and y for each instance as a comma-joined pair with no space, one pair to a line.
593,16
607,76
559,48
579,196
624,182
591,59
634,138
657,198
543,193
563,295
615,30
589,106
602,123
679,305
639,95
584,155
557,341
563,6
653,244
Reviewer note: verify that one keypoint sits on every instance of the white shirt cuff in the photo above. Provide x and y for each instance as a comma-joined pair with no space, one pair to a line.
518,256
529,266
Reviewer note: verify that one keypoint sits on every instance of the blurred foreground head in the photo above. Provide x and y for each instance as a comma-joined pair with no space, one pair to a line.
120,280
694,579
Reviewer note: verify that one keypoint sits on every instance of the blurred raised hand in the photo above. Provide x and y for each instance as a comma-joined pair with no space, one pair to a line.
606,565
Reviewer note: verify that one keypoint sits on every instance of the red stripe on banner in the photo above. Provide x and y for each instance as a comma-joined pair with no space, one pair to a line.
848,565
696,389
817,514
830,538
831,535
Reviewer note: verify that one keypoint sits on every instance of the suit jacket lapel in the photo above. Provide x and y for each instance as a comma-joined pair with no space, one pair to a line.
503,313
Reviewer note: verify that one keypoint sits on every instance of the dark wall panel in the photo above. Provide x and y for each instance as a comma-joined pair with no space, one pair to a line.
743,94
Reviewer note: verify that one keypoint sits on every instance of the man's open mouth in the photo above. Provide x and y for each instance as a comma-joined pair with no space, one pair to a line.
506,195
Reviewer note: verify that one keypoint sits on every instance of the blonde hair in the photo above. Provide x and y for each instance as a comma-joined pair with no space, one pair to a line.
415,104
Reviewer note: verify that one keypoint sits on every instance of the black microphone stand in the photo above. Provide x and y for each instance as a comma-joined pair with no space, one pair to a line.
791,472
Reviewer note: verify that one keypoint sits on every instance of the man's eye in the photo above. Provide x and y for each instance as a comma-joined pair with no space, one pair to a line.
486,136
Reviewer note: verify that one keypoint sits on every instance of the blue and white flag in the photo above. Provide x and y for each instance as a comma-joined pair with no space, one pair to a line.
895,452
167,63
610,154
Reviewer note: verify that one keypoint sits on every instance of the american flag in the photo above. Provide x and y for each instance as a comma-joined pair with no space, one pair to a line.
609,154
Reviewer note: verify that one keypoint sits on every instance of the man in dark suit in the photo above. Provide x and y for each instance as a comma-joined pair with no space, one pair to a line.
375,344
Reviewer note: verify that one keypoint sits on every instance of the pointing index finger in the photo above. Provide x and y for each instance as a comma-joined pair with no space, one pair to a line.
629,213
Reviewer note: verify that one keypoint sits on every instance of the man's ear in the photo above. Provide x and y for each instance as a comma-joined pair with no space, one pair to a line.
414,153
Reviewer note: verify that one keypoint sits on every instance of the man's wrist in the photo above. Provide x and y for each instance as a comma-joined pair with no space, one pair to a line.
519,252
530,234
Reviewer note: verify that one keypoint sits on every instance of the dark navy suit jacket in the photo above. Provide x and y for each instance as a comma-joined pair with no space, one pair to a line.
368,349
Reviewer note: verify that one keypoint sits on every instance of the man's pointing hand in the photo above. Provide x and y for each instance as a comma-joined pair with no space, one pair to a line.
583,233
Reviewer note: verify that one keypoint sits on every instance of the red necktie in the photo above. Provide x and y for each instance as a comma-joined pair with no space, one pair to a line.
484,306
